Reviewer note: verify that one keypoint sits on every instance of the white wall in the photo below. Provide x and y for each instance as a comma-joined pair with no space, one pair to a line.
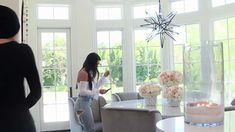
16,6
13,4
82,33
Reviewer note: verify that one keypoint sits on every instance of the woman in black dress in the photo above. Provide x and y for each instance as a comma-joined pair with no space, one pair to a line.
16,64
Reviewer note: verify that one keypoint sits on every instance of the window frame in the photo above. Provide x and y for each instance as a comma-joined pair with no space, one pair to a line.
53,6
108,7
129,24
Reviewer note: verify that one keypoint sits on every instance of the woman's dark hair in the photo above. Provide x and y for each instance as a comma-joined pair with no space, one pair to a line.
90,65
9,22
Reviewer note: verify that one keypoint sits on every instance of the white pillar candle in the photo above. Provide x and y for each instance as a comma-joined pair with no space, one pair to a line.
204,112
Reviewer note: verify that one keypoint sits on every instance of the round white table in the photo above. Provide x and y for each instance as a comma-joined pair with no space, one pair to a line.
165,110
176,124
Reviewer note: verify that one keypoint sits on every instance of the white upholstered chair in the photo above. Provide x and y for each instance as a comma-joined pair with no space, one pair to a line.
230,108
129,120
76,124
125,96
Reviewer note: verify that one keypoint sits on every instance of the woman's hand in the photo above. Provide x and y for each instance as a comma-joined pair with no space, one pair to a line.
106,73
103,91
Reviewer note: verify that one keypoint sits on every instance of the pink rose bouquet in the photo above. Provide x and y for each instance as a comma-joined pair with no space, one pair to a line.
149,90
173,93
170,78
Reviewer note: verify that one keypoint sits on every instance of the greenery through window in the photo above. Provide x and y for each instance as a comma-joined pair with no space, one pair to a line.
109,45
54,76
147,58
188,35
224,31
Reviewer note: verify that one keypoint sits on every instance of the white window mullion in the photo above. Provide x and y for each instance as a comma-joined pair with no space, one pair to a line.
128,49
167,50
167,56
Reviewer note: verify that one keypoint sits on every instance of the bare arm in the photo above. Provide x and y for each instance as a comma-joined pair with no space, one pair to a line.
82,82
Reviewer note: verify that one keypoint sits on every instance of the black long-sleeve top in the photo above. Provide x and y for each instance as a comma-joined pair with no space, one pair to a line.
16,64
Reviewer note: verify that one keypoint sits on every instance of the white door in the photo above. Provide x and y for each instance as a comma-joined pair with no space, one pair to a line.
55,72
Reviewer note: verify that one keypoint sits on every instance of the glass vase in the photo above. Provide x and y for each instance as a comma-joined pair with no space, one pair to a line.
150,101
173,102
204,84
173,95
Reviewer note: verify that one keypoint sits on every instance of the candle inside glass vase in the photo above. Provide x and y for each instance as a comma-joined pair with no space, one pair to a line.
204,113
204,84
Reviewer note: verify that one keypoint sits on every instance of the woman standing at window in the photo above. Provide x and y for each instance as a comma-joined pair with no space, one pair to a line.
89,89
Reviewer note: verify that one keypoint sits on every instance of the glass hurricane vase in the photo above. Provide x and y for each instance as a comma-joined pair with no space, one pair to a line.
204,84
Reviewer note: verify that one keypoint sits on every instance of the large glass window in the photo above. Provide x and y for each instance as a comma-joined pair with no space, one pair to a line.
108,13
140,11
216,3
109,45
54,76
184,6
57,12
147,57
188,35
224,31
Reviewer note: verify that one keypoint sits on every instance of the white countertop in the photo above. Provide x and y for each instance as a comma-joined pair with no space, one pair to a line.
165,110
176,124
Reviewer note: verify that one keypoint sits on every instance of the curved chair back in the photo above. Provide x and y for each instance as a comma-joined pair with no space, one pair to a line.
230,108
129,120
125,96
233,102
75,122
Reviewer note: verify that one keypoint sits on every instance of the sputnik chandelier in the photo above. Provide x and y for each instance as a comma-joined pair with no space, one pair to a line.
160,25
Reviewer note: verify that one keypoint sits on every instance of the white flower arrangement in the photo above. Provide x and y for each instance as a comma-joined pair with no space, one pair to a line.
170,78
173,93
149,90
